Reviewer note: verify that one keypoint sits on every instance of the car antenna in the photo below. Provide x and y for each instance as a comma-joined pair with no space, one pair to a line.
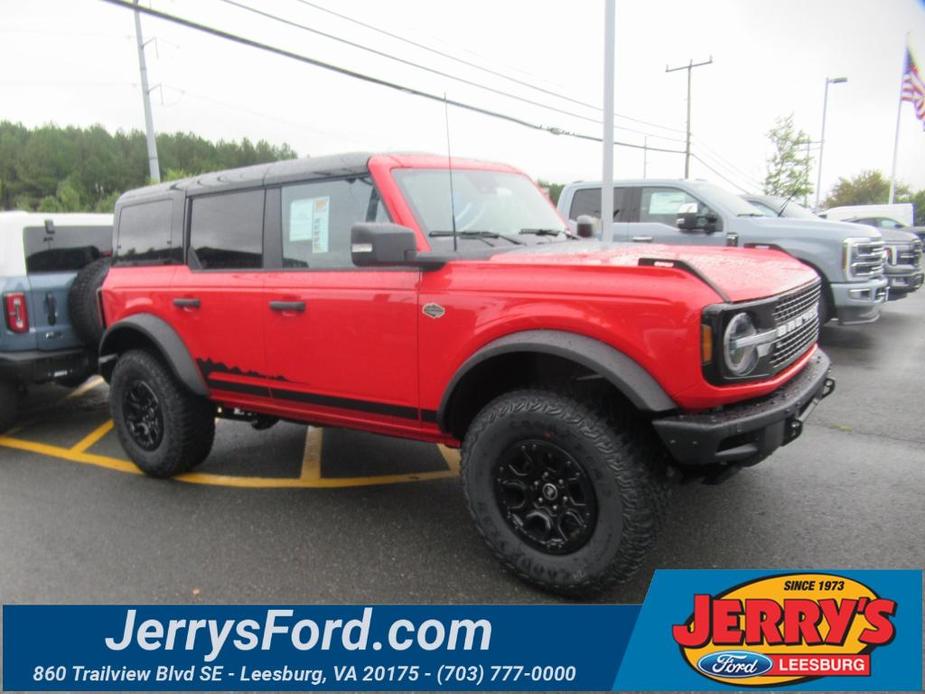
449,163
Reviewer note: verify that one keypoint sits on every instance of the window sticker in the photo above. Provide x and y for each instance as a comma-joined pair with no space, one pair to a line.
309,220
666,202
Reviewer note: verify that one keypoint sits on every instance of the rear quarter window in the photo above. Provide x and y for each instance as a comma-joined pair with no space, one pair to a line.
66,248
144,236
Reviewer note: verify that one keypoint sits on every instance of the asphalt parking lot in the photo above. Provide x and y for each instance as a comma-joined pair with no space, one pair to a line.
297,515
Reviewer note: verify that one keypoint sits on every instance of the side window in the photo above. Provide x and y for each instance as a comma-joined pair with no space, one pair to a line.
317,217
663,204
67,249
144,234
588,201
226,231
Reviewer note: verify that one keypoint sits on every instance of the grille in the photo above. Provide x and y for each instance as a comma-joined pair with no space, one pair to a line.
910,255
796,339
867,259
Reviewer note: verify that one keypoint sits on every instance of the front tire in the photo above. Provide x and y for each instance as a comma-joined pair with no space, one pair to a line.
165,429
564,497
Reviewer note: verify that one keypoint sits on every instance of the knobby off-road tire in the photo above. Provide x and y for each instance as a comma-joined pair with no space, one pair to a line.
9,404
165,429
626,469
83,308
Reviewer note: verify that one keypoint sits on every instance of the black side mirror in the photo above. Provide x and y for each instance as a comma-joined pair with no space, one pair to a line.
688,221
382,243
584,226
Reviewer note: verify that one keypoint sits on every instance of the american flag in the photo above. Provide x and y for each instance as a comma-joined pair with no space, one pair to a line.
913,88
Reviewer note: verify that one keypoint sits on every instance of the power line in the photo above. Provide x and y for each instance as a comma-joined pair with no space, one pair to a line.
716,155
490,71
426,68
729,181
715,161
366,78
403,61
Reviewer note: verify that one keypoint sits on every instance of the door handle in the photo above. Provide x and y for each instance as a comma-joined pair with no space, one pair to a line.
186,303
297,306
642,239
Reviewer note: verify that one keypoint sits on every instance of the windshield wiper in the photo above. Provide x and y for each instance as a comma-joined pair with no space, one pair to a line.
474,234
750,214
547,232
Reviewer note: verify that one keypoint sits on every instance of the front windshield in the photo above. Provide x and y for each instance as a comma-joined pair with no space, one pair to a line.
489,206
720,197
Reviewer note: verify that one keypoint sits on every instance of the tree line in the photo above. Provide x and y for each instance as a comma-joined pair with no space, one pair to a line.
71,169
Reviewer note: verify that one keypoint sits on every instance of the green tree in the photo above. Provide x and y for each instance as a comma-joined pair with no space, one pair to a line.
788,168
918,202
554,189
867,188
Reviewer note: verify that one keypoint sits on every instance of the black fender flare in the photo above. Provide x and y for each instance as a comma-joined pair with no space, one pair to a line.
159,333
623,372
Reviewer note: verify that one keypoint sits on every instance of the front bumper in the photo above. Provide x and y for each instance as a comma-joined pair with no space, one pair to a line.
37,366
902,283
859,302
746,432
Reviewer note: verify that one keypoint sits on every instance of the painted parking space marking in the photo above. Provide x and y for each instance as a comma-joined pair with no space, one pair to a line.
310,477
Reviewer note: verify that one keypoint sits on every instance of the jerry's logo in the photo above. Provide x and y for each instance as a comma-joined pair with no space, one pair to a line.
784,629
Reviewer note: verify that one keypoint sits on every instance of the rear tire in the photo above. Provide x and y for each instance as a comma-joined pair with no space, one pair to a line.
165,429
83,307
9,404
564,496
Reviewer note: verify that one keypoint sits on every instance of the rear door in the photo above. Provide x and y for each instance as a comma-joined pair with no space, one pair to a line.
587,201
216,298
54,255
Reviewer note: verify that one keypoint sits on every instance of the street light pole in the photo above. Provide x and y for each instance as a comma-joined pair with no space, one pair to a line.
825,105
607,139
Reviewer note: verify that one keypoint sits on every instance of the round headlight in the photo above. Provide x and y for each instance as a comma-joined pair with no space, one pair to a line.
740,361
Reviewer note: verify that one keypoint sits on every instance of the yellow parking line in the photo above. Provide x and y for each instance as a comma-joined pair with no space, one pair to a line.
86,386
207,478
91,438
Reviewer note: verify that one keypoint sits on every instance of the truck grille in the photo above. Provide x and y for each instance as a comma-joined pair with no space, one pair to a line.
867,260
796,317
909,255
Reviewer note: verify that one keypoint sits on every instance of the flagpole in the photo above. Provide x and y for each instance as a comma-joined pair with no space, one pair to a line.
899,111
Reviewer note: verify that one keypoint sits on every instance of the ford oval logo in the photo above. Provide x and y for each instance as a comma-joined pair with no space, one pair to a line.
734,664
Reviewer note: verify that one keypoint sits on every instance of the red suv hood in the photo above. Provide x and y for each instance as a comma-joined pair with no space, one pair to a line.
741,274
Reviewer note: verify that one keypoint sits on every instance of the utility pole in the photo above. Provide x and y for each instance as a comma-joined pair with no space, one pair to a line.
825,106
154,168
607,139
645,155
689,67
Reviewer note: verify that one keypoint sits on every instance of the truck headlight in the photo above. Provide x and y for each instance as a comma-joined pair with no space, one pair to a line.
739,352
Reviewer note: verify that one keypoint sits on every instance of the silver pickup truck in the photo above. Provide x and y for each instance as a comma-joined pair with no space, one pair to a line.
848,257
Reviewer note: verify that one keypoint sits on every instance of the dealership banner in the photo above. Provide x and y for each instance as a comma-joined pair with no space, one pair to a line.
719,629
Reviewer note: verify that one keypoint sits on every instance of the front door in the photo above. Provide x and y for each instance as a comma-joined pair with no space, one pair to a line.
659,208
342,341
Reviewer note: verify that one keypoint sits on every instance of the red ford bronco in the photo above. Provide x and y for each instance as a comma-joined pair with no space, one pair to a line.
393,294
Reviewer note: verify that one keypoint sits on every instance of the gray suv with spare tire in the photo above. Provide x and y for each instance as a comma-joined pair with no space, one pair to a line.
51,266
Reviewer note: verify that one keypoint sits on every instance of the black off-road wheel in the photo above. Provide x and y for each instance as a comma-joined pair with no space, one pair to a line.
82,303
9,404
165,429
565,496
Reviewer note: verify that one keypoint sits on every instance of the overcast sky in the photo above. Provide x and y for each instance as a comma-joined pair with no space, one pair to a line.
73,62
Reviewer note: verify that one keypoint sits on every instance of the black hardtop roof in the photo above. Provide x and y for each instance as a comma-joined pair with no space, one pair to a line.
306,168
